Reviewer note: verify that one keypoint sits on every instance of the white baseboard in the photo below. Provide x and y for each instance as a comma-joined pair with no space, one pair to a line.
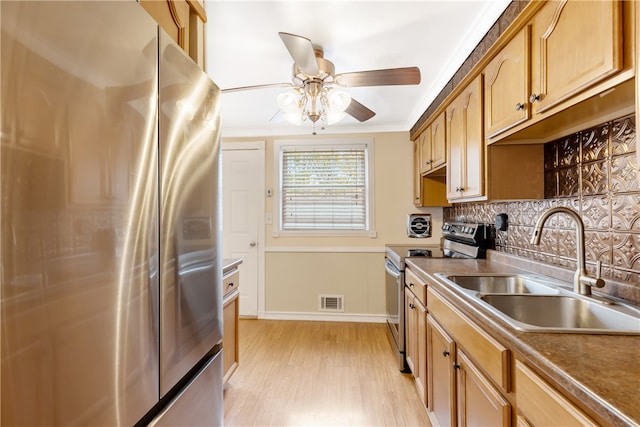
323,317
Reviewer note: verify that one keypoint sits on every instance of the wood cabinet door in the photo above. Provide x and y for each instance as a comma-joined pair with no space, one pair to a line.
425,151
471,109
479,403
540,404
455,150
441,350
575,44
438,142
417,174
411,343
506,86
421,331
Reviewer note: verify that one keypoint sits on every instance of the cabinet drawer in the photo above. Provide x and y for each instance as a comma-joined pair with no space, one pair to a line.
541,405
230,282
489,354
416,285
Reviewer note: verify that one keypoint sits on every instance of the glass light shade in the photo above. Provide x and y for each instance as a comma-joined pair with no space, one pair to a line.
288,101
339,100
335,117
293,118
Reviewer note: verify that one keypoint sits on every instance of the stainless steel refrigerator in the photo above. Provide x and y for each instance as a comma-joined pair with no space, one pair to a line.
111,302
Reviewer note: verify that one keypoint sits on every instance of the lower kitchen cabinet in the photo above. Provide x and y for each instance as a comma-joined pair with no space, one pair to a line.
230,314
459,392
479,403
539,404
441,381
416,332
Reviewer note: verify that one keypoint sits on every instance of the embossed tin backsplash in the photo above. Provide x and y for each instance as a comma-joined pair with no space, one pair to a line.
595,173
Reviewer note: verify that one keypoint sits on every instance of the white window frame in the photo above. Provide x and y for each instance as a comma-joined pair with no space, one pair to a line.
280,145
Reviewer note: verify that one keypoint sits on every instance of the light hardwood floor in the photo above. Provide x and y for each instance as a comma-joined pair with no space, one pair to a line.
319,374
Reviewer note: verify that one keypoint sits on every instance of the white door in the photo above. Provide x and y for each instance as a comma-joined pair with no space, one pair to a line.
242,205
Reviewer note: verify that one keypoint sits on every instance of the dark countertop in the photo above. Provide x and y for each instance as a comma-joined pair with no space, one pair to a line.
600,372
228,264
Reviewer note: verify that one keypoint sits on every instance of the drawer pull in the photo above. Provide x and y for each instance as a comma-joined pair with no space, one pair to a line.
230,284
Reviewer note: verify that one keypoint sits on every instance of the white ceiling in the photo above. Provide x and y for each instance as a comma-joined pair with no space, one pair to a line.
243,49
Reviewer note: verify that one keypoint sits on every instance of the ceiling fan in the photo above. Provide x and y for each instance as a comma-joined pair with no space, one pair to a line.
316,91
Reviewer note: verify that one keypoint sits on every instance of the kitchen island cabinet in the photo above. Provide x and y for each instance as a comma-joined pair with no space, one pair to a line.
596,374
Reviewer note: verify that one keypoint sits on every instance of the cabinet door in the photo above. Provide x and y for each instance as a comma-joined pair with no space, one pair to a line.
441,350
417,174
455,149
421,329
479,403
471,110
465,144
506,86
438,142
575,44
230,344
542,405
411,332
425,151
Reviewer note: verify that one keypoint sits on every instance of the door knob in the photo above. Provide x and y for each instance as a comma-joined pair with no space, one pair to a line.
253,244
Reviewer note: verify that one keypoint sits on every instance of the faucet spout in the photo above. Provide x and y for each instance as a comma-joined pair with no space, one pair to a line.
582,282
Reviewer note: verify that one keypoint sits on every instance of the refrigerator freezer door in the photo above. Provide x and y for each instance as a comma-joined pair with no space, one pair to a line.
79,213
190,217
200,402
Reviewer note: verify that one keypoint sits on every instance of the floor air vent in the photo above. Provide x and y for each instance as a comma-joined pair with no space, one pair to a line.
332,303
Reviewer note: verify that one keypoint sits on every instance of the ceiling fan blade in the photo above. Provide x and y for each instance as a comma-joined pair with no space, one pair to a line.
238,89
391,76
359,111
301,50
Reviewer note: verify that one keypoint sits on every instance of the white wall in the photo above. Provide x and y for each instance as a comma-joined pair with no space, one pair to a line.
298,269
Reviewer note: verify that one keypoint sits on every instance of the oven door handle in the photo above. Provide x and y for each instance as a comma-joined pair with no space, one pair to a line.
391,269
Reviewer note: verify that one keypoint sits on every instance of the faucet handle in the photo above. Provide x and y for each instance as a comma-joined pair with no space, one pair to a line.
599,282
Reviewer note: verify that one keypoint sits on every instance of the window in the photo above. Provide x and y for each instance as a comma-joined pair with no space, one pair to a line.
325,187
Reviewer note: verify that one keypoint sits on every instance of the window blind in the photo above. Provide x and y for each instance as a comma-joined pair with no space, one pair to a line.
324,189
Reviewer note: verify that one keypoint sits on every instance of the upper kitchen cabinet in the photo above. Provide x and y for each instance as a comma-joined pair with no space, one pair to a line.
429,161
184,21
506,86
465,144
432,146
566,66
637,65
574,45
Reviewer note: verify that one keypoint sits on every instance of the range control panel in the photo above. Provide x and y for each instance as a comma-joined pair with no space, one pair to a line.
474,234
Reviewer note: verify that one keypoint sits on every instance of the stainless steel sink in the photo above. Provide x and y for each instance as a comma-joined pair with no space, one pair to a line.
564,313
501,284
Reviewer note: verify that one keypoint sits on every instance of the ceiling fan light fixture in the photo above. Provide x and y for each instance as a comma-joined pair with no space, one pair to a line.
334,117
288,101
293,118
338,100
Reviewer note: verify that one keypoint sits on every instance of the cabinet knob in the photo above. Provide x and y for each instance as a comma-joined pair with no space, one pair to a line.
534,97
519,106
411,306
445,353
230,284
455,365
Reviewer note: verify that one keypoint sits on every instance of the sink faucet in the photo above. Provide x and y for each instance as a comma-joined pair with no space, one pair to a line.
582,282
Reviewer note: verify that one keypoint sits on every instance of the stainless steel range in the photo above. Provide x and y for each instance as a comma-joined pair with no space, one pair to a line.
460,240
